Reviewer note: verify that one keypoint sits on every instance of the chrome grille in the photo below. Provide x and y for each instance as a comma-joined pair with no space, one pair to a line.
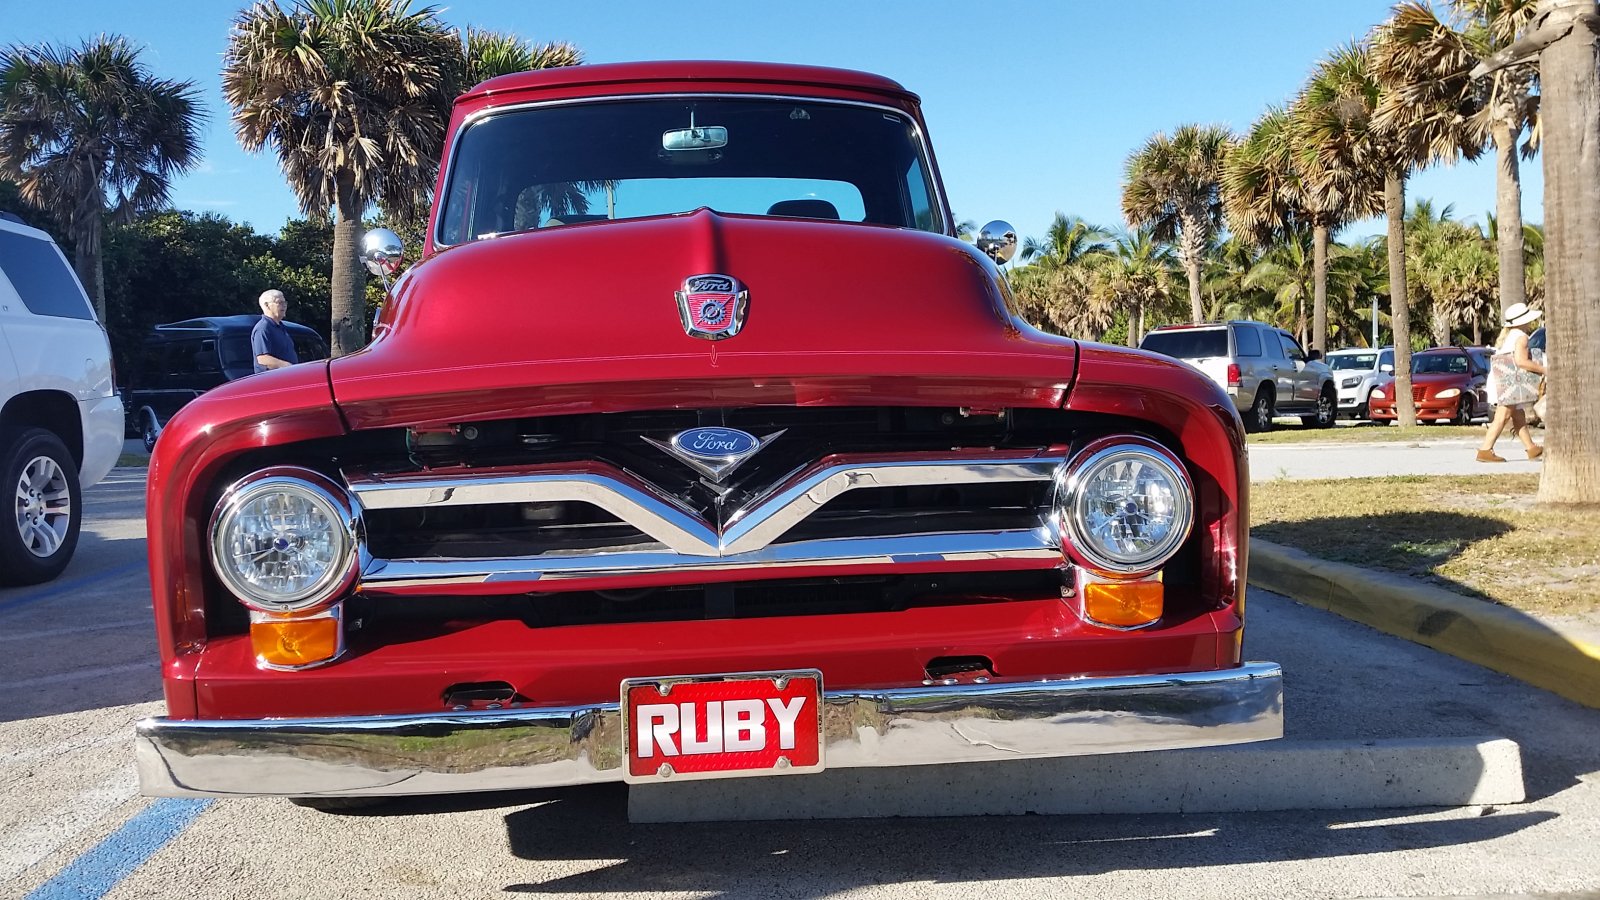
637,531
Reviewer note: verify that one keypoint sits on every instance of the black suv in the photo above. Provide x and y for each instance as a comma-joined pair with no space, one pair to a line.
183,360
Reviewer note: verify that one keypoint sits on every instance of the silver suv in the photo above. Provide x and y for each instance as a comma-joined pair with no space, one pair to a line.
60,416
1261,367
1358,370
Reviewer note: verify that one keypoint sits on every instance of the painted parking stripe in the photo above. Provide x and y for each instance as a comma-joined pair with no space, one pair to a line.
57,590
24,848
96,872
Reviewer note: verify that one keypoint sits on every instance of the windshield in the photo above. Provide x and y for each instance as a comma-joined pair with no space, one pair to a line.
1187,344
1362,361
1439,364
550,166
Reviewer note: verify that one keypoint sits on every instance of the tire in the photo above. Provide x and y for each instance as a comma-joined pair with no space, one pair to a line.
150,431
1464,410
1327,411
1364,411
338,804
1259,417
44,508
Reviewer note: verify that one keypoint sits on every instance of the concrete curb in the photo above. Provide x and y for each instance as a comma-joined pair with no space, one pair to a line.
1273,775
1498,638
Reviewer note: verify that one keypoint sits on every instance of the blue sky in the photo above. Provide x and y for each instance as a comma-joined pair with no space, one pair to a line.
1032,107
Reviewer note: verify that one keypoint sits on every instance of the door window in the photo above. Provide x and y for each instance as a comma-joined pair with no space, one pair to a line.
1291,349
40,275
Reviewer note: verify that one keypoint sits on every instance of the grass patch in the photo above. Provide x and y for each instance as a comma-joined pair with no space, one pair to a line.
133,459
1480,535
1356,434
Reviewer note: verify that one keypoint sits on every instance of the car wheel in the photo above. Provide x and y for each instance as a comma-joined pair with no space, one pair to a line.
38,538
151,432
1464,410
1327,412
1260,416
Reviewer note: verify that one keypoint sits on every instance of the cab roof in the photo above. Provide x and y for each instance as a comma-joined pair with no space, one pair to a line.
710,71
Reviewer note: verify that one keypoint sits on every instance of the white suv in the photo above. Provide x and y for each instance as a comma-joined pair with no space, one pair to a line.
60,416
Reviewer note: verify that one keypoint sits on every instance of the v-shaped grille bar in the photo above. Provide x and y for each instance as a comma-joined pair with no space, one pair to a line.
754,526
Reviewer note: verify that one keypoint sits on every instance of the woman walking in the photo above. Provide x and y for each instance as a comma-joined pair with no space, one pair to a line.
1513,383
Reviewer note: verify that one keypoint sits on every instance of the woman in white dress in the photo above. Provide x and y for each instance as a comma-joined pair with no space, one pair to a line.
1511,390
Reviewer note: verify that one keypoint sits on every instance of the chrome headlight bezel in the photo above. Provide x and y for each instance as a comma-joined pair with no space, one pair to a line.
1071,513
336,504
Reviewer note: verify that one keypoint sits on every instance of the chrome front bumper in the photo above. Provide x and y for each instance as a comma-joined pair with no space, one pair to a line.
517,749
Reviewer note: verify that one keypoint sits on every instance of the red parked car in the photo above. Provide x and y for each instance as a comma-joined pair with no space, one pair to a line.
1448,384
695,446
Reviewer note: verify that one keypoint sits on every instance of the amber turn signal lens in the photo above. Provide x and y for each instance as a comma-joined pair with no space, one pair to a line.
1123,604
290,642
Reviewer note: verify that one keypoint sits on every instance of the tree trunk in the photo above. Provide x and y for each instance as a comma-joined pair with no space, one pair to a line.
1569,86
1319,287
1191,249
1508,214
88,260
1394,205
1191,268
349,279
1441,327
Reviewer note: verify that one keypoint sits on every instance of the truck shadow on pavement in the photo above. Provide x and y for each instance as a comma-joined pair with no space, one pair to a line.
822,858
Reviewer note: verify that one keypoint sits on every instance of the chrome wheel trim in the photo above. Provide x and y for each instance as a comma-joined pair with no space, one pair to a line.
1263,412
43,506
1324,410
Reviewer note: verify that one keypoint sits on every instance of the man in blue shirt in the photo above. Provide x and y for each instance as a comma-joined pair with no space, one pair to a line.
269,340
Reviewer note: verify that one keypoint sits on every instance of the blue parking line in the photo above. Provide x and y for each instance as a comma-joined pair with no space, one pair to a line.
99,870
57,590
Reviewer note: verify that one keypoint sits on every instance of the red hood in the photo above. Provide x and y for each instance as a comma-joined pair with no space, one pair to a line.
583,318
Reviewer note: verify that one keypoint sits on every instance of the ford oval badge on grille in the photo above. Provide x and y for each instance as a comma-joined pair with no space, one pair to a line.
712,450
712,306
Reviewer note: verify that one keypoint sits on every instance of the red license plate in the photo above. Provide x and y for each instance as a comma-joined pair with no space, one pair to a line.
721,726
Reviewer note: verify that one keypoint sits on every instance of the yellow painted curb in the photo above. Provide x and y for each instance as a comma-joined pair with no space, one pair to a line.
1493,636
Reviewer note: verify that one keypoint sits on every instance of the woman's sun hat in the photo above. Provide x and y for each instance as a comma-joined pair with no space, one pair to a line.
1520,314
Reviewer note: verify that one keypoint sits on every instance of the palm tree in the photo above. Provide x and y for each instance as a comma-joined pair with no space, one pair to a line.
88,135
1346,151
1425,63
354,96
490,54
1173,186
1138,278
1067,242
1269,198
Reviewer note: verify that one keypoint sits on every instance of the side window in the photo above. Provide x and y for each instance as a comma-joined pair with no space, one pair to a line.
1386,358
205,359
1246,341
39,273
1290,348
181,357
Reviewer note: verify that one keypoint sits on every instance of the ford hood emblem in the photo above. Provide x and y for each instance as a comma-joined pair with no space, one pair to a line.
712,306
712,450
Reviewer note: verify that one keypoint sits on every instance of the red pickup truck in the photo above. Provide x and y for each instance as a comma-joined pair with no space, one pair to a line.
695,446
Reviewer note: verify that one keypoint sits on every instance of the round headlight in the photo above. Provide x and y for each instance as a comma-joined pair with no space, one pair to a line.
1447,394
1127,507
284,539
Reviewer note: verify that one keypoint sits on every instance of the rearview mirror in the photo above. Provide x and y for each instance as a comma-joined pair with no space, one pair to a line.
704,137
998,240
382,253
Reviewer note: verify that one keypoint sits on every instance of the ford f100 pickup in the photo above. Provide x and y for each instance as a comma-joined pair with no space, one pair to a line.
696,445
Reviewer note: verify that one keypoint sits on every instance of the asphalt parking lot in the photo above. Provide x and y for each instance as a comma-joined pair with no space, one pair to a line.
79,658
